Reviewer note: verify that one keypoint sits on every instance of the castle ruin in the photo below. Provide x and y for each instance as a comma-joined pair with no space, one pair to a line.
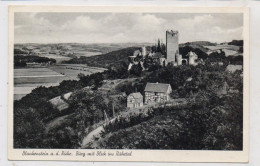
169,54
172,51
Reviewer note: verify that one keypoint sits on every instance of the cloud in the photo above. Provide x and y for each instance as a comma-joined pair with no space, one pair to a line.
124,27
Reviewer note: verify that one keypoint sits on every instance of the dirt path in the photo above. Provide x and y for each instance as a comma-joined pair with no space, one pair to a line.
95,133
90,137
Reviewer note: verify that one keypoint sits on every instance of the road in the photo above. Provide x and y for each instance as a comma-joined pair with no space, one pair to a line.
95,133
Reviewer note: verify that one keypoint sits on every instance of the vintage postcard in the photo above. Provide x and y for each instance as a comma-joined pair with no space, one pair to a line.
155,84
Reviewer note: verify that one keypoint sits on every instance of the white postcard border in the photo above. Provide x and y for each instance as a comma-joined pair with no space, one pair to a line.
136,155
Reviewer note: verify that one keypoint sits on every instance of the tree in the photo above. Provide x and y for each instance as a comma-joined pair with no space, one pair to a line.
158,49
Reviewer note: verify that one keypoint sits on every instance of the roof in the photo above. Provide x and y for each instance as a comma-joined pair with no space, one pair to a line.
136,95
58,103
67,95
157,87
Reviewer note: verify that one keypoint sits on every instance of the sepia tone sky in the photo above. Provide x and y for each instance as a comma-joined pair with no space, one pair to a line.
124,27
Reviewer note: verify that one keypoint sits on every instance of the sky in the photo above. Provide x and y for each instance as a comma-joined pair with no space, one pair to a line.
124,27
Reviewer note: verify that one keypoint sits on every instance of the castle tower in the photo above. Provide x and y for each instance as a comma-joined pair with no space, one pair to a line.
172,46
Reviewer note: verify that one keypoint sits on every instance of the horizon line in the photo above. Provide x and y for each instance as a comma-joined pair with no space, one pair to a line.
125,42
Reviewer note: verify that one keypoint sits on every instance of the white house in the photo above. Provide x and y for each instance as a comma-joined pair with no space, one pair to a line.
135,100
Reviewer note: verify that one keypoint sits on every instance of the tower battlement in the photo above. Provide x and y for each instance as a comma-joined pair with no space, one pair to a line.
172,32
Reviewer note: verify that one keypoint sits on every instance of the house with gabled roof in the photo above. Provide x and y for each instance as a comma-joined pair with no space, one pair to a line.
157,92
135,100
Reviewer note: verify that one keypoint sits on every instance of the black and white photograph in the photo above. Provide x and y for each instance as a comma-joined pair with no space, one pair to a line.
128,81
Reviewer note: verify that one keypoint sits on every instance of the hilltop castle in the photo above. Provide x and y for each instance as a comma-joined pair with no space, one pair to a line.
172,51
164,55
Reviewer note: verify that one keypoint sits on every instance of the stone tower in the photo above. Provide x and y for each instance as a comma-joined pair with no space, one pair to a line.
172,46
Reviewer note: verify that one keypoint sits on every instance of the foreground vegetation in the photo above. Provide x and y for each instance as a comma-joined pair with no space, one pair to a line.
208,127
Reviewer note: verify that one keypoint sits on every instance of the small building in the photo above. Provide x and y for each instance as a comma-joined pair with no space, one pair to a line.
157,92
135,100
59,103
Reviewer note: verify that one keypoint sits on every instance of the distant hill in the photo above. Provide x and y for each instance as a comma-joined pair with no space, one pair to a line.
19,52
198,44
202,43
105,60
116,57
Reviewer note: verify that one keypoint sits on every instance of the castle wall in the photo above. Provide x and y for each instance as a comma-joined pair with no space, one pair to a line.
192,61
179,60
172,45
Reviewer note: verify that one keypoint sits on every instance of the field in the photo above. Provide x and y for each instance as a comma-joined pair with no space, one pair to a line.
230,50
86,53
229,47
27,79
30,72
20,90
72,71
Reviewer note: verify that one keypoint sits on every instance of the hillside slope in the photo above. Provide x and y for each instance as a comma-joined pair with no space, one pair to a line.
105,60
